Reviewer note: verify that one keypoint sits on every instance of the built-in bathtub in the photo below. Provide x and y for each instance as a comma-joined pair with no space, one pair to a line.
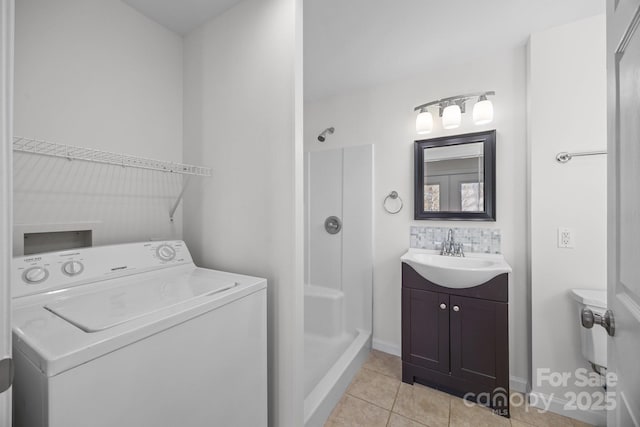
333,355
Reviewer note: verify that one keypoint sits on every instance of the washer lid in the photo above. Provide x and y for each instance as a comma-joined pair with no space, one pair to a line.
111,307
55,344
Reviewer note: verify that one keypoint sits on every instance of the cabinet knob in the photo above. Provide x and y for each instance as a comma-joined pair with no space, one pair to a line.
456,308
443,306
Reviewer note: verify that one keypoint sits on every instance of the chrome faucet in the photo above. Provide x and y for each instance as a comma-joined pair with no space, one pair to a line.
450,247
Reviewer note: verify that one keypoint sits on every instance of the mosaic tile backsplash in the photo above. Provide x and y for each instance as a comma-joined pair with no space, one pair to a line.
480,240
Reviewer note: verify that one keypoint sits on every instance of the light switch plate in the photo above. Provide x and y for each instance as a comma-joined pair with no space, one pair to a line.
565,238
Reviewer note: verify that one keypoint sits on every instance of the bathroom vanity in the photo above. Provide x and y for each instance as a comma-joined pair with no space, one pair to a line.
456,339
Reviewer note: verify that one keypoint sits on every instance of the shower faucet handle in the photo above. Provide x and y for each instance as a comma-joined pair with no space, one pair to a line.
333,225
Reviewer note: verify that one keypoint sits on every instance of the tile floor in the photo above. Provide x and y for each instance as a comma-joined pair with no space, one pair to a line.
378,397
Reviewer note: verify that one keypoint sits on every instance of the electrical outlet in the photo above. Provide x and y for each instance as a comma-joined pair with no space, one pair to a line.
565,238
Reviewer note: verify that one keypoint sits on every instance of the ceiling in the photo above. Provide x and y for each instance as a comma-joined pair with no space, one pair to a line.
181,16
350,44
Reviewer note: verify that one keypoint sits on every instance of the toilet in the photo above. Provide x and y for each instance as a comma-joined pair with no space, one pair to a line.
594,340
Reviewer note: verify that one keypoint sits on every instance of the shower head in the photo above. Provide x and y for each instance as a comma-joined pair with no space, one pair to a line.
323,136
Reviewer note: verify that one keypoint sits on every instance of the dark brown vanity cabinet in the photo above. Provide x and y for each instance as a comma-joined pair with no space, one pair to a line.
457,340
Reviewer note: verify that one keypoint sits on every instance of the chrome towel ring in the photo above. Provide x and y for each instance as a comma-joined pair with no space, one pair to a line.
393,196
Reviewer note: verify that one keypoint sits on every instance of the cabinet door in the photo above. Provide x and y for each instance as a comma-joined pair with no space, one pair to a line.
479,341
425,329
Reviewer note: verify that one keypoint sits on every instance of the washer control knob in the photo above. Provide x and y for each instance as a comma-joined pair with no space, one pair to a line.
166,252
72,268
35,275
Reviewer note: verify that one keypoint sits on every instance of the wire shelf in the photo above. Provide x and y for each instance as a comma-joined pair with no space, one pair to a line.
71,152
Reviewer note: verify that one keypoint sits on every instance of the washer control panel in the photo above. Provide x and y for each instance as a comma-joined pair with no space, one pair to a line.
41,273
166,252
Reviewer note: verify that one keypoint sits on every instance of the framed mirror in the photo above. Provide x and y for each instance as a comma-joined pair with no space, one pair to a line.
455,177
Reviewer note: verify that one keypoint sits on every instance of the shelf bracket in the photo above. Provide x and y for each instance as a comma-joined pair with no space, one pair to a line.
185,183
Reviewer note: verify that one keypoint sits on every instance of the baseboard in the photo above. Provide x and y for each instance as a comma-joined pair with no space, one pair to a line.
387,347
518,384
596,418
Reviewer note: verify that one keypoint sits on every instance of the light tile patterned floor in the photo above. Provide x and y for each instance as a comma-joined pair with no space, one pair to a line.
378,397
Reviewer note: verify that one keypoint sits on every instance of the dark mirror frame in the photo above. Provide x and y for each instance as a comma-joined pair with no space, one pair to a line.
488,138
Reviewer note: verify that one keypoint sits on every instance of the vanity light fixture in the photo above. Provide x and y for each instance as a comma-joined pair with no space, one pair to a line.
483,111
451,110
424,122
451,116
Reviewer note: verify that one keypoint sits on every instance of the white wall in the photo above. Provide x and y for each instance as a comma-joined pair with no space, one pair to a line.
567,94
96,73
384,116
242,93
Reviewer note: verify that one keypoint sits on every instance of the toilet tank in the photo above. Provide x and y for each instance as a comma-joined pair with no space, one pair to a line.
594,340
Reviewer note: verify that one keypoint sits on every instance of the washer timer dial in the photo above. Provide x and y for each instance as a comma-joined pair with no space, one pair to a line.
35,275
72,268
166,252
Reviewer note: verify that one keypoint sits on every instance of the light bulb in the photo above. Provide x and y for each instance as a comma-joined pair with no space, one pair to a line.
451,117
424,122
483,111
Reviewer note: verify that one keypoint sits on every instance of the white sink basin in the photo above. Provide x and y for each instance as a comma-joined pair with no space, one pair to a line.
456,272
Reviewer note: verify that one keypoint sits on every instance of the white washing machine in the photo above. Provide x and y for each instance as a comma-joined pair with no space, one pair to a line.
136,335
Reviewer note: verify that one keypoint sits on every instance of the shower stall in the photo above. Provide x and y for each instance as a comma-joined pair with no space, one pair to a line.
338,274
